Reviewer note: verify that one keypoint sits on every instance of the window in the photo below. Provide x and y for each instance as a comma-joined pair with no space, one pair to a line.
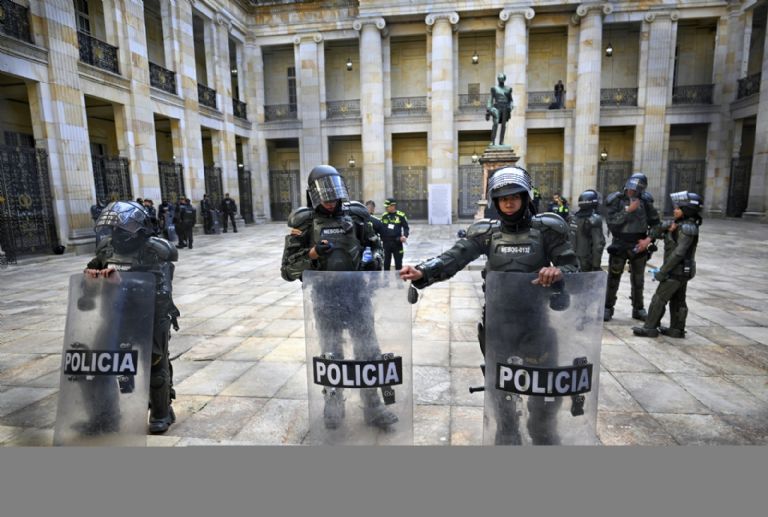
83,20
292,88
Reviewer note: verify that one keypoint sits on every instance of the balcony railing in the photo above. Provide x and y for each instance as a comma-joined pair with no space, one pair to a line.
238,107
14,20
409,105
749,85
541,100
206,96
618,97
280,112
161,78
473,101
340,109
693,94
97,53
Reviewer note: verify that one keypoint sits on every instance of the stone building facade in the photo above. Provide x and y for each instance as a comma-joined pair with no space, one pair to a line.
163,98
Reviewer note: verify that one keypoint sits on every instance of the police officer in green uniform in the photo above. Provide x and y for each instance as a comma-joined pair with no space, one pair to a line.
634,223
518,242
394,233
332,234
587,236
681,237
127,245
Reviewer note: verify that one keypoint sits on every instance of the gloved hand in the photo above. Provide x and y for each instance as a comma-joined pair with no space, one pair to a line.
324,248
658,275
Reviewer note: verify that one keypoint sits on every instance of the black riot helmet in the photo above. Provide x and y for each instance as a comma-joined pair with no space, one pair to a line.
506,182
589,199
689,202
325,184
128,224
637,182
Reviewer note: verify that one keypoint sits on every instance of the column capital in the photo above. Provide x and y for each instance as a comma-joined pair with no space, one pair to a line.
316,37
525,12
379,23
450,17
223,20
650,17
583,10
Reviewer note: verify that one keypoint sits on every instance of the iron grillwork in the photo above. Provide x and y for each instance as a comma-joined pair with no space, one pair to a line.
97,53
206,96
340,109
542,100
409,105
353,178
611,176
693,94
684,175
749,85
738,191
280,112
618,97
162,78
239,109
473,101
112,177
470,189
246,196
284,193
411,190
214,186
14,20
547,178
171,181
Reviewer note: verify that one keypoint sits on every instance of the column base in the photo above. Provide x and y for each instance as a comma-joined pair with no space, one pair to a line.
755,216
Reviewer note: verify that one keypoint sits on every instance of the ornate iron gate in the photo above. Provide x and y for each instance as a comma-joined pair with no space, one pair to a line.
611,176
213,185
547,178
411,191
738,192
246,195
470,189
26,209
112,177
284,193
353,177
684,175
171,181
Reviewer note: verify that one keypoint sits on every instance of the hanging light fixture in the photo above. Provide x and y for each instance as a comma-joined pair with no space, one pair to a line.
240,165
609,50
475,157
349,64
475,58
603,155
234,71
352,161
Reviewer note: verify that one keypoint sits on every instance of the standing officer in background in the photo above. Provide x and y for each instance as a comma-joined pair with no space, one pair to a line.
394,233
228,211
187,217
587,236
206,210
634,223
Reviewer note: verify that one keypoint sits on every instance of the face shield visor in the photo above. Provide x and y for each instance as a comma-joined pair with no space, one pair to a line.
327,189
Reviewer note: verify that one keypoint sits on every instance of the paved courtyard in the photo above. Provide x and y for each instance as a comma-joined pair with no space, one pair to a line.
239,358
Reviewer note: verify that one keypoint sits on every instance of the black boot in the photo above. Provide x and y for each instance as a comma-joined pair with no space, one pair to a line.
639,314
333,413
374,412
161,414
671,332
608,314
645,332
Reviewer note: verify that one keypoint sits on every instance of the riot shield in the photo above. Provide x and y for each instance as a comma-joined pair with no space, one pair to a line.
359,367
542,359
105,366
216,219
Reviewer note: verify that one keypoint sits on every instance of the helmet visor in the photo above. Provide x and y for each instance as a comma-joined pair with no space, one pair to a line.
121,214
326,189
505,182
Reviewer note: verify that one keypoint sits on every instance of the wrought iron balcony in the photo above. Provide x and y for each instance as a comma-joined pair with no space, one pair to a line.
693,94
161,78
340,109
541,100
97,53
14,20
280,112
206,96
409,105
618,97
749,85
238,107
473,101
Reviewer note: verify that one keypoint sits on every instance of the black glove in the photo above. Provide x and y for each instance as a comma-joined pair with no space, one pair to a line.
323,248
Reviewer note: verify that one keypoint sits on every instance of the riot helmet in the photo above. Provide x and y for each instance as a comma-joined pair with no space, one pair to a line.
324,185
637,182
509,181
689,202
589,200
128,224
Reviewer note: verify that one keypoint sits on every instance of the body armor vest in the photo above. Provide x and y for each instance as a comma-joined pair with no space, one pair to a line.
637,221
339,231
521,252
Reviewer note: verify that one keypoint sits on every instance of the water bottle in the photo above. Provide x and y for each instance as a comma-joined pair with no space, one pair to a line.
367,255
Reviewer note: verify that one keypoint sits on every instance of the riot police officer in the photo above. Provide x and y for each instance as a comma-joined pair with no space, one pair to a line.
332,234
187,216
681,237
633,222
518,242
228,211
206,210
127,244
587,236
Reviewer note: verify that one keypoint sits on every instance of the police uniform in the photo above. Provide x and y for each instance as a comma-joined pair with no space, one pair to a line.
522,243
679,267
228,210
206,210
187,217
627,228
393,226
587,236
348,233
151,255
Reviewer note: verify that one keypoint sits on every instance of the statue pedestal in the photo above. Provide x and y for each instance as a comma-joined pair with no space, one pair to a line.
494,157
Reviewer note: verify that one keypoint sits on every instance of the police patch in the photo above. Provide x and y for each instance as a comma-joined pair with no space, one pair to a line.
357,374
514,249
327,232
101,362
544,382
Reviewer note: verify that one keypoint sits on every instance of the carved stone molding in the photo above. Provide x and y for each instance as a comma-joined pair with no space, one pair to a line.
316,37
527,13
651,16
451,17
379,23
223,21
584,9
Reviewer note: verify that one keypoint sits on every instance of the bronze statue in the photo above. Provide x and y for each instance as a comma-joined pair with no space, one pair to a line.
499,107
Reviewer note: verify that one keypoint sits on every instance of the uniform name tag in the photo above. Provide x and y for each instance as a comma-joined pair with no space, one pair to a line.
332,231
100,362
357,374
522,249
391,226
544,382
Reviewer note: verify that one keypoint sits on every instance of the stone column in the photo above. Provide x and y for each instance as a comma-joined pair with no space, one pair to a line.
372,106
308,76
515,22
758,186
257,143
443,137
223,84
662,28
587,113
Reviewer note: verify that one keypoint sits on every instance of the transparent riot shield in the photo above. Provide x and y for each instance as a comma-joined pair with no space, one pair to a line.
359,368
105,366
216,220
542,359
